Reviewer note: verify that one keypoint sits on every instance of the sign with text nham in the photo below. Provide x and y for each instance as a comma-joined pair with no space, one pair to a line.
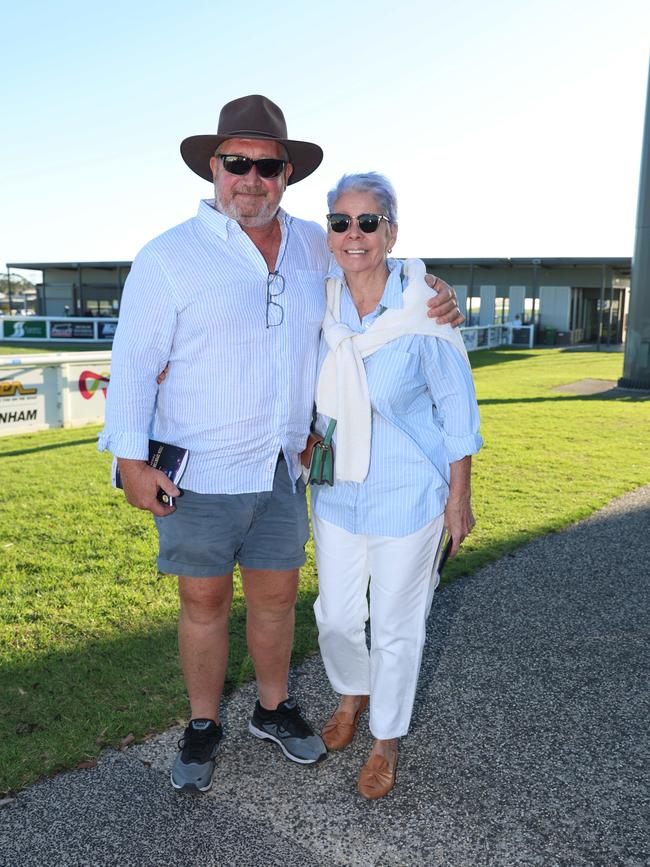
15,407
65,389
22,401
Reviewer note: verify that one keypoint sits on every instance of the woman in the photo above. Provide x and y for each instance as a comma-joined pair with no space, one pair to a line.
407,423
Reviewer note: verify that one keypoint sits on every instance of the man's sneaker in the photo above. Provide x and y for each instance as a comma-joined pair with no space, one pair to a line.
287,728
194,763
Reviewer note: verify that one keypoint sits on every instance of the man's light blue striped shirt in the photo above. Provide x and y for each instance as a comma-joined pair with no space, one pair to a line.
424,417
236,392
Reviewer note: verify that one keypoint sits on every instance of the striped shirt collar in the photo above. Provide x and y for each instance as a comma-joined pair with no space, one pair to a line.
223,225
393,291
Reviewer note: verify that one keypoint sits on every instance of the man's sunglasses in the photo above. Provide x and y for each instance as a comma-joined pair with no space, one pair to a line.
267,167
368,223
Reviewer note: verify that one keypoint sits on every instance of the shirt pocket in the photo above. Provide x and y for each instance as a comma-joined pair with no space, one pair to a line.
395,380
306,292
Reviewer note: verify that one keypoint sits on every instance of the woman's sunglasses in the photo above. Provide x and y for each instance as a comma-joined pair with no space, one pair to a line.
368,223
238,165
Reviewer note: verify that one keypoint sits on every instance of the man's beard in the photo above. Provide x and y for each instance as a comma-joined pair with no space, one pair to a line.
264,216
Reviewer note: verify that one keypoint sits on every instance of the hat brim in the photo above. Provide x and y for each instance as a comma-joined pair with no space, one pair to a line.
304,156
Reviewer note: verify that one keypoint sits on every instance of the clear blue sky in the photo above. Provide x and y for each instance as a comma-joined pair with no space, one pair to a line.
509,128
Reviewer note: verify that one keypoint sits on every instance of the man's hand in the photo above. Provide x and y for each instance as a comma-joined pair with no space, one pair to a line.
443,307
141,483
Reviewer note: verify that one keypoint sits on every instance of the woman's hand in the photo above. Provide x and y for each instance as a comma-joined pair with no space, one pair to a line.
307,452
459,518
443,307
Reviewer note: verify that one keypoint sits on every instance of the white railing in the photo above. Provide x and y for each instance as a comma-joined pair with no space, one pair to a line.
44,329
67,389
491,336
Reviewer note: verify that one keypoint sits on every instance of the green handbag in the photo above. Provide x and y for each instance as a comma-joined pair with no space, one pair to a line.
321,468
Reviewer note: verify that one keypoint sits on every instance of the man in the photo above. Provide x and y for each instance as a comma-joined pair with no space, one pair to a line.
232,301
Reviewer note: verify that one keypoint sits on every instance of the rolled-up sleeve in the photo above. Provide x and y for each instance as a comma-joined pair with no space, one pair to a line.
449,380
141,349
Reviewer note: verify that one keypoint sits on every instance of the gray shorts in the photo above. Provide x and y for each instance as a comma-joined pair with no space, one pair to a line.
209,533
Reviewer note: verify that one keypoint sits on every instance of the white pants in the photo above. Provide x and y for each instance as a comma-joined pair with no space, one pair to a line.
401,592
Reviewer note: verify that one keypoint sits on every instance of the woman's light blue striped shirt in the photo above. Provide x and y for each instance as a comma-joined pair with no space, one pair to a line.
424,417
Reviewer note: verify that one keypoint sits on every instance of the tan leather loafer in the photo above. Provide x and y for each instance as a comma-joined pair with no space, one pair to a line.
377,777
337,733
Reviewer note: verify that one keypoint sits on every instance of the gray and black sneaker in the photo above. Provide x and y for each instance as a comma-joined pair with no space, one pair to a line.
287,728
192,771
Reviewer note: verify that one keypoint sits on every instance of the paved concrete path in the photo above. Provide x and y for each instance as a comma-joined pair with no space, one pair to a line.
529,744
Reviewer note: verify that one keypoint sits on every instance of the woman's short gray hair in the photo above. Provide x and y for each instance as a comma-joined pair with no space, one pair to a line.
371,182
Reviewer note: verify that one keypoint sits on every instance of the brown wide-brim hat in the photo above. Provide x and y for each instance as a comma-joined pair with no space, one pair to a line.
251,117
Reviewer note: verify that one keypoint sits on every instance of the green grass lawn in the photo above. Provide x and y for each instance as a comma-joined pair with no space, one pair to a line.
88,626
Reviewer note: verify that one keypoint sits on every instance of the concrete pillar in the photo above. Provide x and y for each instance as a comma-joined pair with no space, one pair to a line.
636,367
555,307
461,294
517,301
488,297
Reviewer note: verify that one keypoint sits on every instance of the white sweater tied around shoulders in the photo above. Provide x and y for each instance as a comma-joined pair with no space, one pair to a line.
342,388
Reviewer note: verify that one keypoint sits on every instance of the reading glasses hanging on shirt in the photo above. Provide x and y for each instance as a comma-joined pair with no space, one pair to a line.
274,310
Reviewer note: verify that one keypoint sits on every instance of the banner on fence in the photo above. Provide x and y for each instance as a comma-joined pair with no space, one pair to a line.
24,329
72,330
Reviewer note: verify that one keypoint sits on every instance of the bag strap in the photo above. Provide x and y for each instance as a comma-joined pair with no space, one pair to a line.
327,439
